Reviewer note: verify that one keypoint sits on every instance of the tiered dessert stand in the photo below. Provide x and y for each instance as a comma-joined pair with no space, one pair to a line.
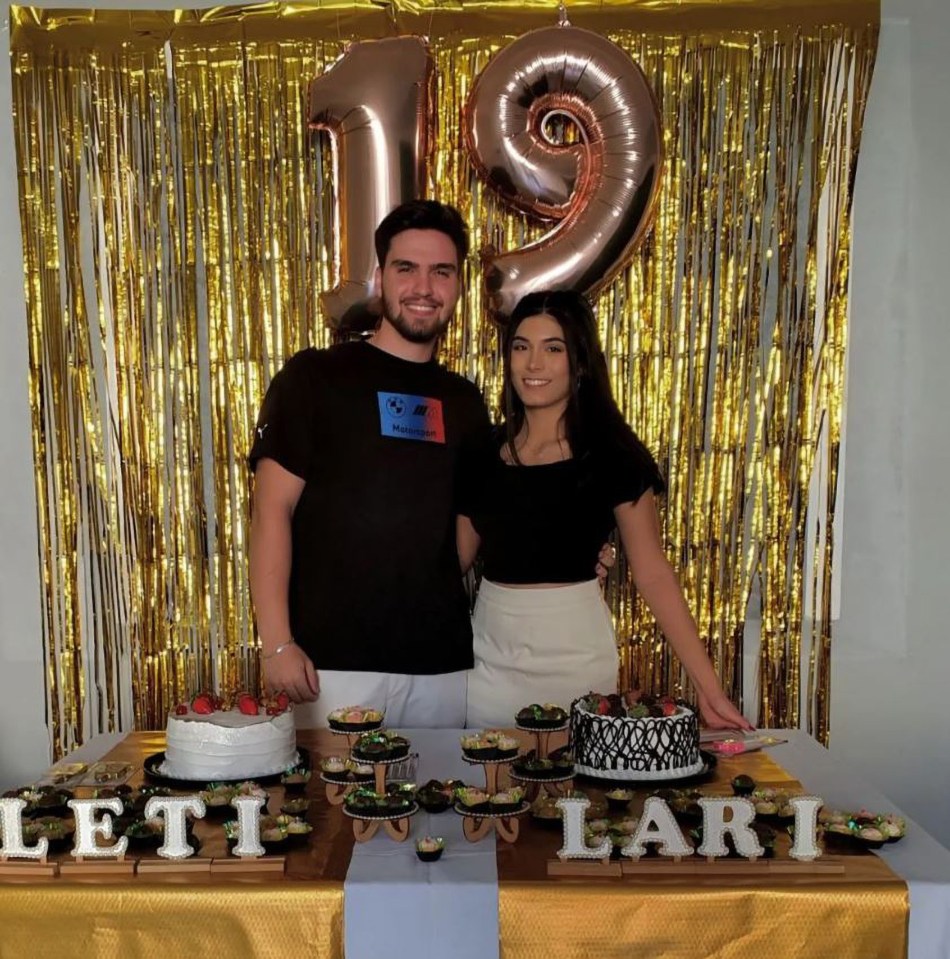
396,824
555,785
337,789
477,824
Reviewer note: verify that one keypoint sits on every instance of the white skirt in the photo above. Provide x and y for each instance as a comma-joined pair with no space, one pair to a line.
538,646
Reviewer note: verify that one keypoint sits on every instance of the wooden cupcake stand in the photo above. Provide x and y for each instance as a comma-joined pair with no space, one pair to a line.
365,827
554,786
477,825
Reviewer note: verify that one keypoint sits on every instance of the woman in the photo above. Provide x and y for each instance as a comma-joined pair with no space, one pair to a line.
569,470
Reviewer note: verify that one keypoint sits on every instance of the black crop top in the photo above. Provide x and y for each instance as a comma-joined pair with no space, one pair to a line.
546,524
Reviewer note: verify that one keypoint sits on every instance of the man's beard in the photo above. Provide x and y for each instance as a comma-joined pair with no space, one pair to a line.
414,333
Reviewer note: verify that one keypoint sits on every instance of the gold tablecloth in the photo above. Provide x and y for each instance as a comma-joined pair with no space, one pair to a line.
860,915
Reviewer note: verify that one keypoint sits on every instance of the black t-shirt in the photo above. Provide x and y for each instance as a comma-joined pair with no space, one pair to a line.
547,524
391,451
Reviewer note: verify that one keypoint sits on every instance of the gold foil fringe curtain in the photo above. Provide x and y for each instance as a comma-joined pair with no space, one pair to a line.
178,227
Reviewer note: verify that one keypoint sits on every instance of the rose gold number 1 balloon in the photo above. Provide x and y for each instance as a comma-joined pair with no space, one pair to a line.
373,102
602,190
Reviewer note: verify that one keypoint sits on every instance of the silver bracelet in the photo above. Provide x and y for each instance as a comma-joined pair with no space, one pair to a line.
278,650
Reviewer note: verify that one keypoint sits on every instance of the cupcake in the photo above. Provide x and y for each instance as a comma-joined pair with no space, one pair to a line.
478,747
355,719
361,802
295,829
380,746
893,827
58,831
489,745
250,789
536,716
217,798
360,772
472,799
618,799
335,768
434,796
507,801
295,779
297,806
273,831
743,785
47,801
145,832
429,849
871,834
838,829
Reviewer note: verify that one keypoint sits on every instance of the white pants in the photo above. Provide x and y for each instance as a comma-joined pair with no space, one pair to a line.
411,702
538,646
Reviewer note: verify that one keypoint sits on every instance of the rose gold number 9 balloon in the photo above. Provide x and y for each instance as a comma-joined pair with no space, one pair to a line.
602,190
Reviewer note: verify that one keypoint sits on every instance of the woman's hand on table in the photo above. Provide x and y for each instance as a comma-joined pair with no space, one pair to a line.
719,712
293,672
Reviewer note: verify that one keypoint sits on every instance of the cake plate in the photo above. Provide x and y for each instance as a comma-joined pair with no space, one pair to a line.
477,825
397,824
152,767
709,765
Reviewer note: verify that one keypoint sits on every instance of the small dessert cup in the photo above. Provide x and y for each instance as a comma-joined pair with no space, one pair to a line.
429,849
743,785
618,799
297,806
296,779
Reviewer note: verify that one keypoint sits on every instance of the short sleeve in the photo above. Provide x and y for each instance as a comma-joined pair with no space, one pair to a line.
284,430
628,472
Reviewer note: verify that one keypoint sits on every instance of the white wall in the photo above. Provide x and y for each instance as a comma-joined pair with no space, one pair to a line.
891,662
24,741
891,658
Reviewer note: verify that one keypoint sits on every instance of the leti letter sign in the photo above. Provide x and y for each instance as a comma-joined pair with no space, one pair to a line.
173,809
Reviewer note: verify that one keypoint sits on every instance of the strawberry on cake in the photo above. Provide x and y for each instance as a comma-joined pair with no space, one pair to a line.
239,737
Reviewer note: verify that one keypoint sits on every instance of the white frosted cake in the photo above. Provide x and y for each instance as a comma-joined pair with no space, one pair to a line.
224,744
652,742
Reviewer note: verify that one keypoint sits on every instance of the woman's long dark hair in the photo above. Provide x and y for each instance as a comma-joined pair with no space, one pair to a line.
592,419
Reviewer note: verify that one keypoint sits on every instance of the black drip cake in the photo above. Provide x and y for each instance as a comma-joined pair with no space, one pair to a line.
652,740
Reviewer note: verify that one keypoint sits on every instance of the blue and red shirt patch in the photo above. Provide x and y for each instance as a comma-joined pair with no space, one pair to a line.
408,417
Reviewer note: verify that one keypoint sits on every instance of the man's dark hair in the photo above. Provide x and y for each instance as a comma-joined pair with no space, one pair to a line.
422,215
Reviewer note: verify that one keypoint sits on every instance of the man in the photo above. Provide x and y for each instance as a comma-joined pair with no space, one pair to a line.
364,455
